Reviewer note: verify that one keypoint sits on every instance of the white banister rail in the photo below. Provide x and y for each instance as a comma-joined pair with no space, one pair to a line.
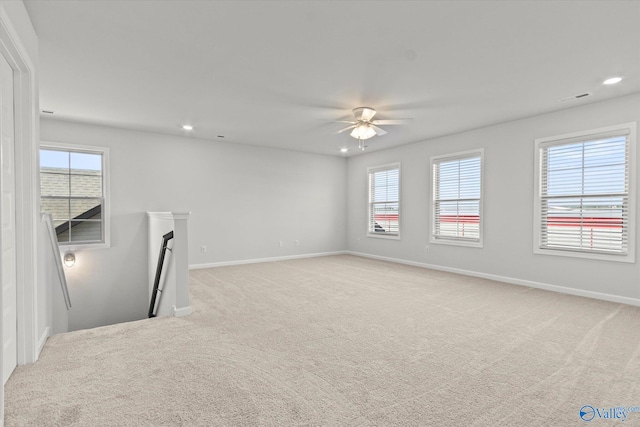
46,217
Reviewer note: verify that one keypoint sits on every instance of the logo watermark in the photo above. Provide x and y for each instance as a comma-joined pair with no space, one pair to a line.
619,413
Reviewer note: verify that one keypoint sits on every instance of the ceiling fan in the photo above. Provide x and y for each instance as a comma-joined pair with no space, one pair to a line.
364,127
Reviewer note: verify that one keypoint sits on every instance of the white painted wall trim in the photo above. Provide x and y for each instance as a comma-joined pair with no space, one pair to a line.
510,280
15,31
43,339
182,311
257,260
27,191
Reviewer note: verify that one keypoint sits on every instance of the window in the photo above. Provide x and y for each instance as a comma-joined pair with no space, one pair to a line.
457,199
584,203
73,188
384,201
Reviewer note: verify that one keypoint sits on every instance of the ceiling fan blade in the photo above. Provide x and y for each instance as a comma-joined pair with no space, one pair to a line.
368,113
347,128
364,113
392,122
345,121
378,131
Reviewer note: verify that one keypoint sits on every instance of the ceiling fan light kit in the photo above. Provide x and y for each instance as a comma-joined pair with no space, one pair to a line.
364,127
363,131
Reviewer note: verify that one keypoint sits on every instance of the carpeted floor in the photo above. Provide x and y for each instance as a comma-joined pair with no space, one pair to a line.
342,341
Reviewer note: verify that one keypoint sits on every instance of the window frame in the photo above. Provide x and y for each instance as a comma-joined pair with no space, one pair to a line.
106,204
457,241
380,168
577,137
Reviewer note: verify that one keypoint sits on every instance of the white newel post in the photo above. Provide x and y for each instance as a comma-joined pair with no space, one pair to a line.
174,282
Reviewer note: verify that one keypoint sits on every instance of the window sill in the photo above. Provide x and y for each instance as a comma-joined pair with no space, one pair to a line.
384,236
82,246
455,242
629,258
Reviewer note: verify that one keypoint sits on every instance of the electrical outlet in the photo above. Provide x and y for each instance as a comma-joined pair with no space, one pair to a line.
281,243
296,243
203,249
426,249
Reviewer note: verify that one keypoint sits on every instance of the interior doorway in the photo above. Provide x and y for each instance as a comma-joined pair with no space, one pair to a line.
8,220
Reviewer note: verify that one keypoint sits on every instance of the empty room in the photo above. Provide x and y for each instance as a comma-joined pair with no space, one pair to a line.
319,213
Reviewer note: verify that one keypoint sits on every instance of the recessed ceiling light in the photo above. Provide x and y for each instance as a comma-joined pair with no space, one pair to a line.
344,150
187,127
612,81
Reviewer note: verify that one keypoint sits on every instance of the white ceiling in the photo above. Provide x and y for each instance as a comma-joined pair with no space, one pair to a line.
277,73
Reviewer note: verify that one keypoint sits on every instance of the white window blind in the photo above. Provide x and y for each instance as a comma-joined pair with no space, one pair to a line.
384,200
457,204
584,194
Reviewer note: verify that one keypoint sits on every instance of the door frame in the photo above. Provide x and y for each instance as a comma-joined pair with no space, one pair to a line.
26,128
8,188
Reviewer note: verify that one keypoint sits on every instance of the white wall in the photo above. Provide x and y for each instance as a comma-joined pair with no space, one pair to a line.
508,203
244,200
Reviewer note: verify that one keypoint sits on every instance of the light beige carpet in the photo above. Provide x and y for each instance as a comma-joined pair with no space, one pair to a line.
342,341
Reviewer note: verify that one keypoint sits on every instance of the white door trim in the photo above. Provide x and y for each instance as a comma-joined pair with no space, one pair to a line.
27,204
26,128
8,220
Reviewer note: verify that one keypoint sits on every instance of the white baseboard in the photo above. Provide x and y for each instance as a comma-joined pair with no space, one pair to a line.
182,311
42,341
257,260
510,280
